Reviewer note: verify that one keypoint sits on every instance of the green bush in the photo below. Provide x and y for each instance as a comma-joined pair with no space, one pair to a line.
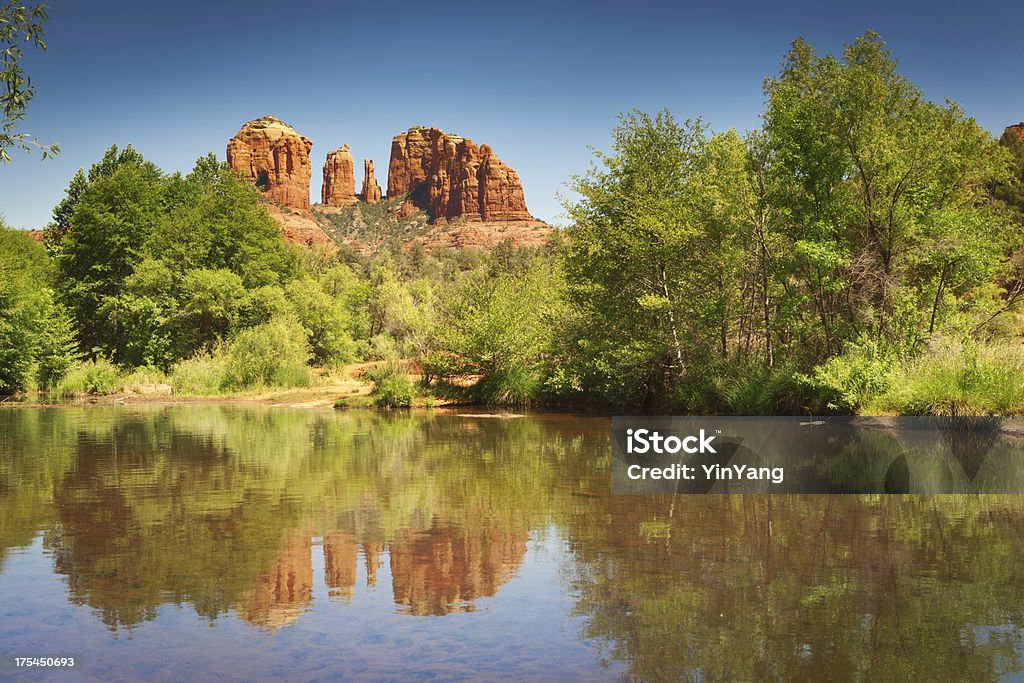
273,354
91,377
753,389
517,386
203,374
958,381
439,366
849,381
392,388
144,380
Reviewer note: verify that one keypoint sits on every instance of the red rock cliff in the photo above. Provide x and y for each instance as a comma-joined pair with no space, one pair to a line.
275,158
339,188
453,178
371,190
1017,128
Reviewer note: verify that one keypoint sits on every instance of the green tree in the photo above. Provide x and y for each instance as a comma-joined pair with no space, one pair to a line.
155,268
509,320
111,224
1012,191
642,260
112,159
19,23
880,187
402,314
38,338
214,222
323,318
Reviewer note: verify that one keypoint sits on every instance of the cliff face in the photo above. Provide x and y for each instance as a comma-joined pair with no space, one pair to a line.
339,187
371,190
451,177
434,179
1017,128
275,158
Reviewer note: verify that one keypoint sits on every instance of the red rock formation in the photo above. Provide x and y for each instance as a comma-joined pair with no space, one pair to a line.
300,227
275,158
453,178
339,188
371,190
411,162
1017,128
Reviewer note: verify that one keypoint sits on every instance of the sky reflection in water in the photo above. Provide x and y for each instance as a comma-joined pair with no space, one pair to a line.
252,543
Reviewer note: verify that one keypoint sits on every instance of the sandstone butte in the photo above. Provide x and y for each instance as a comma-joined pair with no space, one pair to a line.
371,190
1017,128
275,158
451,177
339,187
447,176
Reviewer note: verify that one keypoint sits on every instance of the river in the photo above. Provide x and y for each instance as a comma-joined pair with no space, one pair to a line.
233,542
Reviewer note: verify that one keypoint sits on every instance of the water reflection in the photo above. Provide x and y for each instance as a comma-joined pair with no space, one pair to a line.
443,570
251,513
284,592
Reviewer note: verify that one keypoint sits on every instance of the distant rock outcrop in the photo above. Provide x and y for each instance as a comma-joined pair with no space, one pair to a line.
444,191
275,158
451,177
1017,128
339,188
371,190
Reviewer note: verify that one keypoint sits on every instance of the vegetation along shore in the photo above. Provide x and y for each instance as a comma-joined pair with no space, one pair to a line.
860,252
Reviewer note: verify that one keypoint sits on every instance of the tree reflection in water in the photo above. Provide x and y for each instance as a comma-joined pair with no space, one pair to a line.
221,508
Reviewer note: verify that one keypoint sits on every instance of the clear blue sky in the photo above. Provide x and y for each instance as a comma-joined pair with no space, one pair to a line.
538,81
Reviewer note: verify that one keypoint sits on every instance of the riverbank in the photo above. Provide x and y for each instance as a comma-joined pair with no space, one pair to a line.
349,387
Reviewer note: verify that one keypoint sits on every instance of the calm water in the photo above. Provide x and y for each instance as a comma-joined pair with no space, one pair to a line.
200,542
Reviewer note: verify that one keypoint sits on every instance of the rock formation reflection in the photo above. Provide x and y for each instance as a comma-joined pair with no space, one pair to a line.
444,569
285,591
227,511
437,571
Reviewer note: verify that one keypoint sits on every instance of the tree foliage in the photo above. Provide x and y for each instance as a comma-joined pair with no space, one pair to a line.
156,267
861,211
38,338
20,23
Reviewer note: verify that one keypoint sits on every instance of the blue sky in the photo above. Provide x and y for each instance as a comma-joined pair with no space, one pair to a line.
541,82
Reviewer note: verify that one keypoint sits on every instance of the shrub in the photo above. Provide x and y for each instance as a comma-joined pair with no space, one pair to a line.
201,375
392,388
438,365
958,381
273,354
58,350
517,386
91,377
852,379
144,380
753,389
